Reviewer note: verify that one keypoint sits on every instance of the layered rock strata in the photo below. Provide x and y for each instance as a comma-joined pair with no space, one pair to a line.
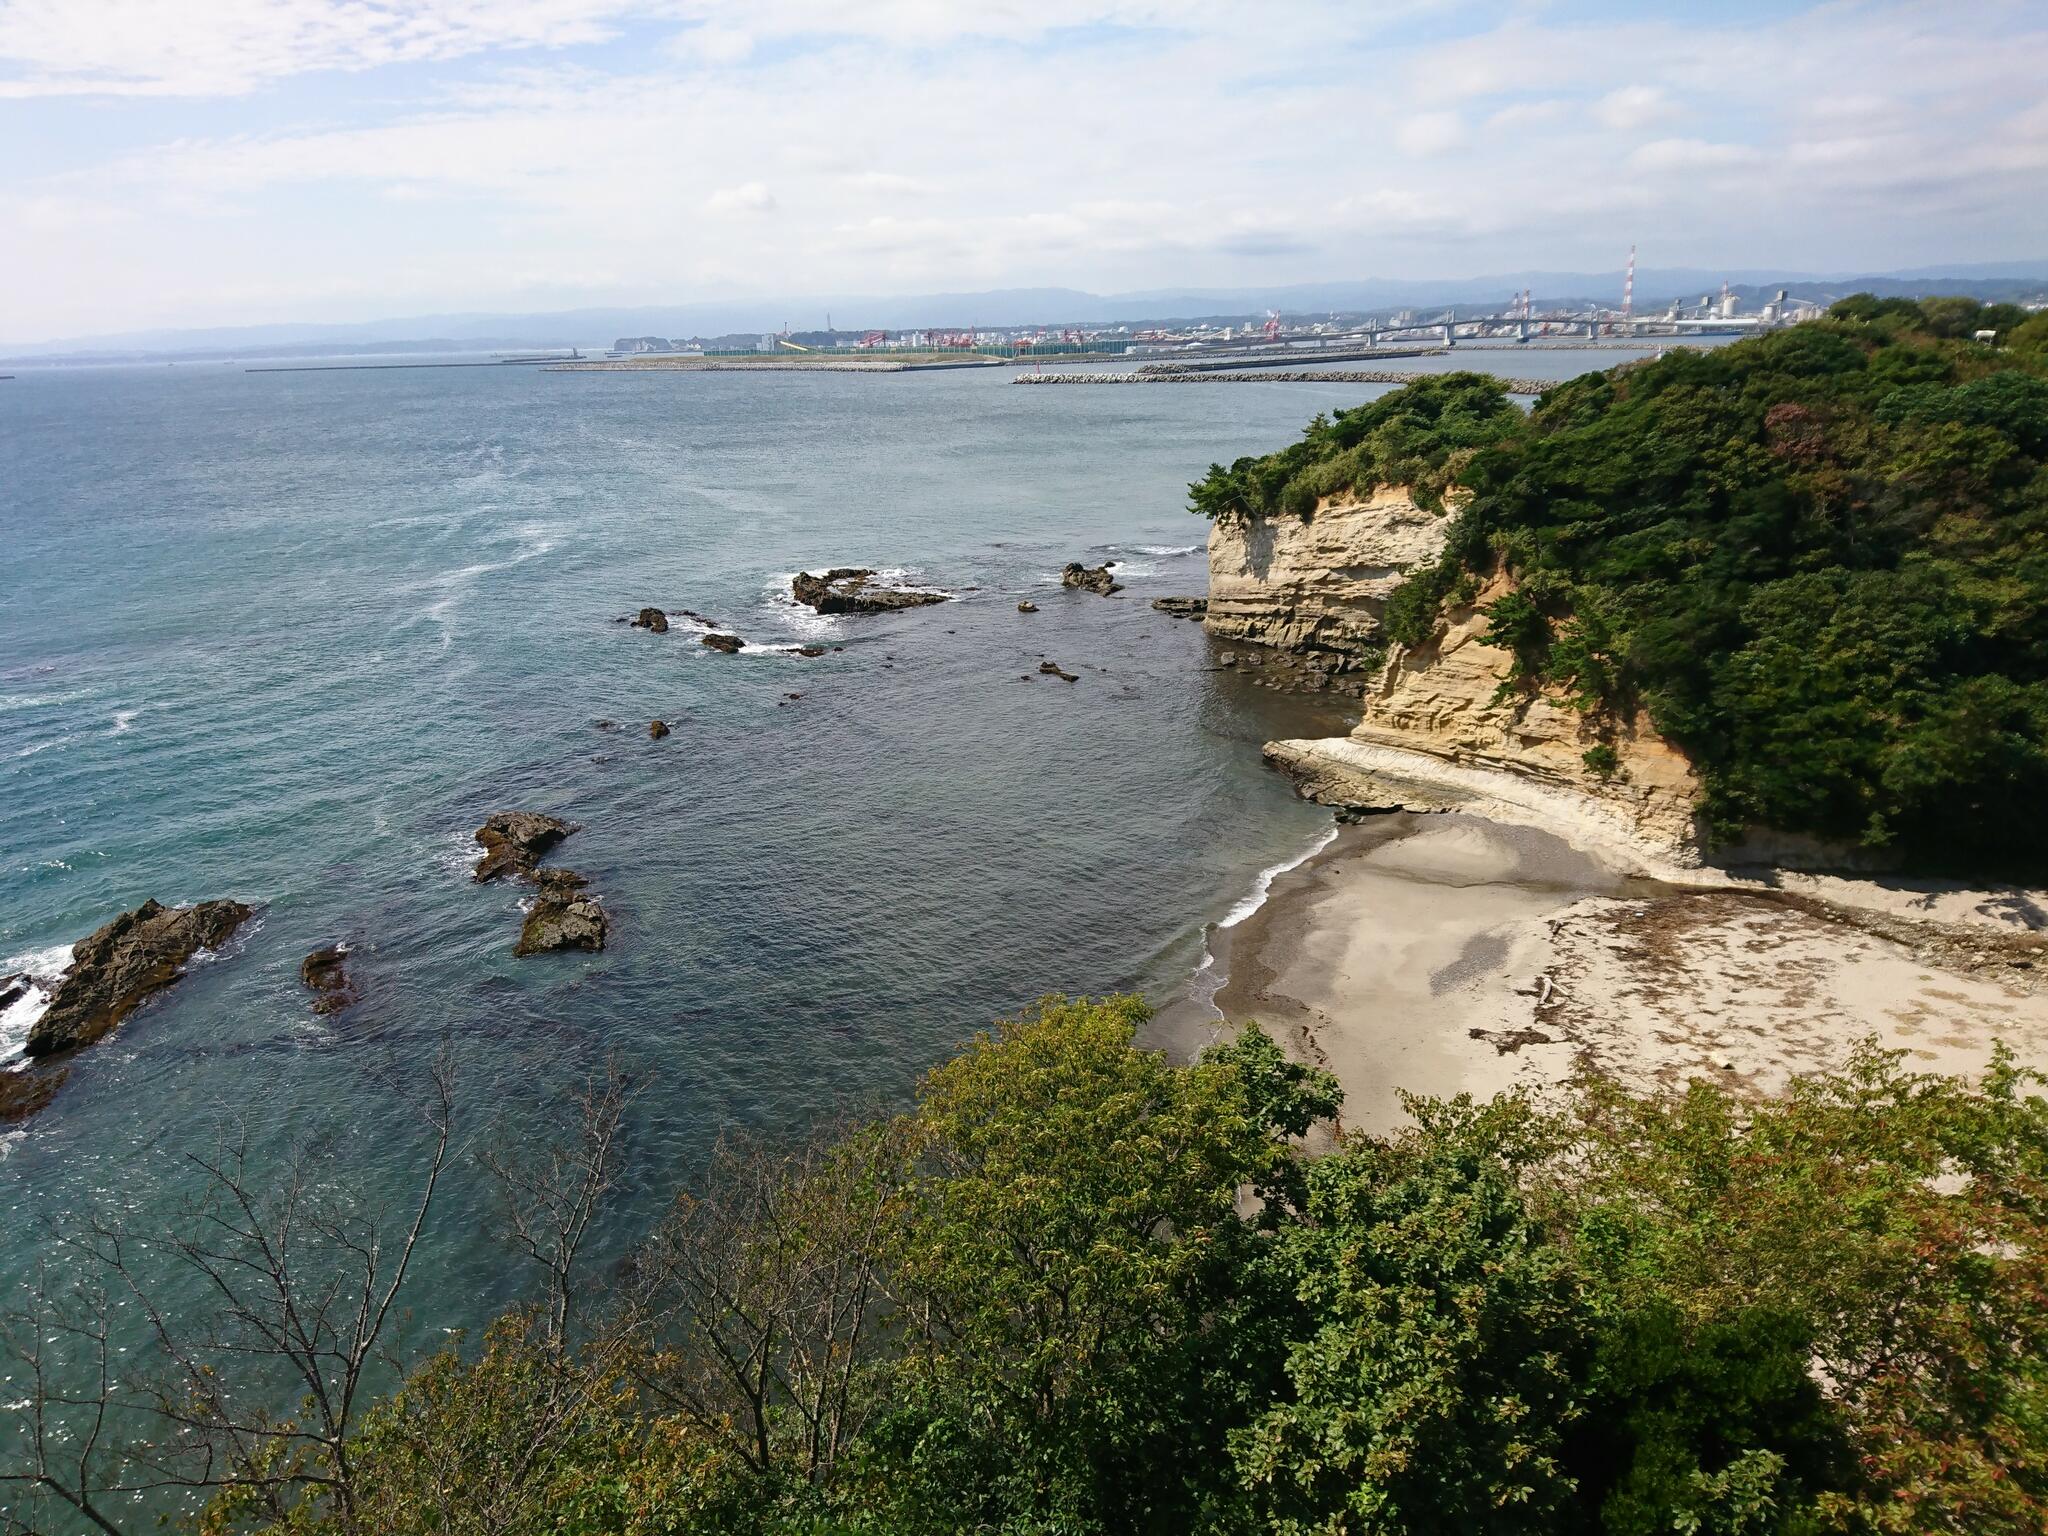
118,965
1316,586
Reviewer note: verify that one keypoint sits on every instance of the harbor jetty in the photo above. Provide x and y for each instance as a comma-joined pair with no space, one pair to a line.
1274,376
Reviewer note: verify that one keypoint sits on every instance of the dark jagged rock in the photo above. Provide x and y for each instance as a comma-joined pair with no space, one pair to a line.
1027,606
24,1092
1182,607
119,965
850,589
656,729
606,725
729,644
810,650
513,842
1052,669
563,915
653,620
1087,578
325,973
14,988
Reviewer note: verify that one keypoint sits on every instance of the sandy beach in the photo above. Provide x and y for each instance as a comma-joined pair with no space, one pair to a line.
1445,954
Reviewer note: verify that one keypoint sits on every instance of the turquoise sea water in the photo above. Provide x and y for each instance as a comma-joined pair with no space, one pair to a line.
290,637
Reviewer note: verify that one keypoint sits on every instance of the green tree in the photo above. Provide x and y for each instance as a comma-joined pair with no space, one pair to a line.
1447,1340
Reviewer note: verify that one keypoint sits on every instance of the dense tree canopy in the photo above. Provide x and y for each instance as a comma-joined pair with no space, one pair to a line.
1817,557
1078,1290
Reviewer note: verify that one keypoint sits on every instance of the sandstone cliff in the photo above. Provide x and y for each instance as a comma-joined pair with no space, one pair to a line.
1433,737
1315,586
1436,731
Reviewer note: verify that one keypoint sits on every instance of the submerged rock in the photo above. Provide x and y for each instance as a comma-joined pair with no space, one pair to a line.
1052,669
810,650
729,644
1087,578
656,729
1182,607
325,973
652,620
120,964
24,1092
513,842
850,589
563,916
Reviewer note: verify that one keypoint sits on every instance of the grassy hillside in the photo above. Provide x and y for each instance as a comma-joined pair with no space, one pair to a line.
1818,558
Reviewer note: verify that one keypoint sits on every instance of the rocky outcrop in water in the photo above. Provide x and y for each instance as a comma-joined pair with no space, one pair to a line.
117,966
563,915
653,620
656,729
29,1089
1090,578
325,974
1027,606
1053,669
1182,607
851,589
14,988
513,842
727,644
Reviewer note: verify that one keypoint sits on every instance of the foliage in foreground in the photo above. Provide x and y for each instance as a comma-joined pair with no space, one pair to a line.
1817,558
1079,1290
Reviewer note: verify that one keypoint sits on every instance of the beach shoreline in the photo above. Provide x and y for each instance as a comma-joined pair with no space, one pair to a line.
1445,953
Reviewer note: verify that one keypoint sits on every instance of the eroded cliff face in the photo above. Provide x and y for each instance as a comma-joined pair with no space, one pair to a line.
1437,734
1315,587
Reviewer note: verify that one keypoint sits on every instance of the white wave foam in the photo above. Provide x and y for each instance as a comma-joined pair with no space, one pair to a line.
457,852
1206,982
43,964
42,746
1162,551
1263,886
13,701
806,621
237,942
124,721
44,967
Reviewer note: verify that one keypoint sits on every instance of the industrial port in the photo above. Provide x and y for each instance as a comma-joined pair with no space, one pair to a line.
1276,340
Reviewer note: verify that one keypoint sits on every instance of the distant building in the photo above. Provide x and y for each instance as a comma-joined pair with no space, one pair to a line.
637,346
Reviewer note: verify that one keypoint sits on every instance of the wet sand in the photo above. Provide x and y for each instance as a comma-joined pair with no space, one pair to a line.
1446,954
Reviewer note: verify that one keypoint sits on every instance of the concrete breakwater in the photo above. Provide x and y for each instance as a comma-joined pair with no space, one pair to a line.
1272,376
771,364
1298,356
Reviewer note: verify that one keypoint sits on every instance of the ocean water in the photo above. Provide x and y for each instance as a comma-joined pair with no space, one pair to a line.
290,637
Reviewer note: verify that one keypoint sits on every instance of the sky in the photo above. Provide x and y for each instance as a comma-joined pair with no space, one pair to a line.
211,162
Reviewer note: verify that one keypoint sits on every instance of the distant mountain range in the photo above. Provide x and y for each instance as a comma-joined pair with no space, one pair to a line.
1010,307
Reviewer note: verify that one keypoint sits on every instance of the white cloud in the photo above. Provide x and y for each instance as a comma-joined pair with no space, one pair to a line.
1679,157
1632,107
1094,143
1428,134
748,198
226,47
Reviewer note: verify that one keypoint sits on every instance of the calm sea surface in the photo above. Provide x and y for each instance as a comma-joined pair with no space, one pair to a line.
290,637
